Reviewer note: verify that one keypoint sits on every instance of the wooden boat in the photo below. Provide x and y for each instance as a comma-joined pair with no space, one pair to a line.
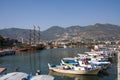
73,70
75,76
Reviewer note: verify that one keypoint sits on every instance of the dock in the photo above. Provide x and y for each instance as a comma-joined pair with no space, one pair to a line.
2,70
118,67
6,52
43,77
14,76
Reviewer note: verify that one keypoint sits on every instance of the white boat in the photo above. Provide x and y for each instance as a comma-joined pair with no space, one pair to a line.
84,60
104,65
74,76
73,69
87,63
14,76
80,63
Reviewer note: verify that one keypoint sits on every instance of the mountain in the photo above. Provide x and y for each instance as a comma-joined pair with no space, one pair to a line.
52,33
97,31
15,33
103,31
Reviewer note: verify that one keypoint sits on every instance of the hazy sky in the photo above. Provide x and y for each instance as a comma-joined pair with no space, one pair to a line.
47,13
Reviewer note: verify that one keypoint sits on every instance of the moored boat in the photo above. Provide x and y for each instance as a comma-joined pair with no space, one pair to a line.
75,76
73,69
85,62
104,65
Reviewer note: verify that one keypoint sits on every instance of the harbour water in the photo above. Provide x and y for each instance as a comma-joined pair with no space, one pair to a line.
29,62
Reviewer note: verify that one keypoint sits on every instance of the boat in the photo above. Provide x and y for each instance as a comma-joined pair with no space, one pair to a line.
100,61
75,76
14,76
82,64
104,65
85,62
73,69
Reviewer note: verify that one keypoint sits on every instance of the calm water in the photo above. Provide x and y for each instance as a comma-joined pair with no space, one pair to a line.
29,62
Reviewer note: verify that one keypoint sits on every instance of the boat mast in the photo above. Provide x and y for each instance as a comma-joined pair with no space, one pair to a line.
34,40
30,38
38,35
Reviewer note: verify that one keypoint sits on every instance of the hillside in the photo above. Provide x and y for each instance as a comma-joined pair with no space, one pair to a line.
97,31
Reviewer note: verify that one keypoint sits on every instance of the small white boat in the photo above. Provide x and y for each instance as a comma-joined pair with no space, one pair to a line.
104,65
73,69
80,63
42,77
14,76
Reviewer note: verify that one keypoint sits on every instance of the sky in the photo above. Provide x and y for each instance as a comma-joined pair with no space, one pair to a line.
46,13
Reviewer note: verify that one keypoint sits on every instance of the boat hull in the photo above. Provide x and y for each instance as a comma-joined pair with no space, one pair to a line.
82,72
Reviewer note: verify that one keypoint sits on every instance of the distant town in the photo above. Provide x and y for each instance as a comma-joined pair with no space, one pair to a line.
58,37
89,43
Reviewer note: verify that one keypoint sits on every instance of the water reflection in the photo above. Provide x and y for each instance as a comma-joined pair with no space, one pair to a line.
75,77
103,73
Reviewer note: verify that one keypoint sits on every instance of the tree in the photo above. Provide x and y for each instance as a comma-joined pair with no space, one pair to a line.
1,41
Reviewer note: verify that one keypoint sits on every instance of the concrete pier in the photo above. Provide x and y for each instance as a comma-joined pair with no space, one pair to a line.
118,67
6,52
